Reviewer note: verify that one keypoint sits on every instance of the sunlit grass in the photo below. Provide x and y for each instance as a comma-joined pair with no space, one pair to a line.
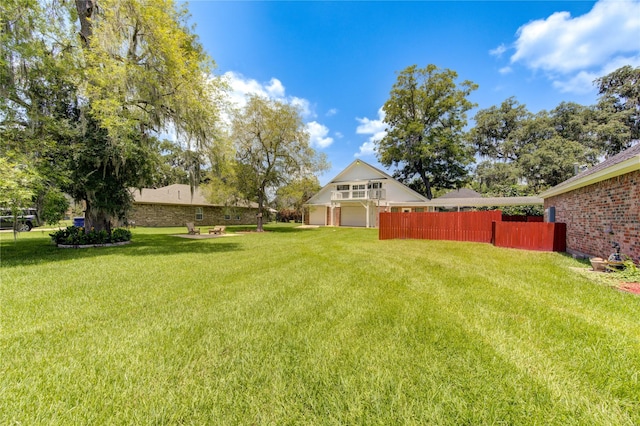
317,326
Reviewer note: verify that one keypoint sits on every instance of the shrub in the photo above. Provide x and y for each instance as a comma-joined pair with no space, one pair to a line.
120,234
75,236
630,272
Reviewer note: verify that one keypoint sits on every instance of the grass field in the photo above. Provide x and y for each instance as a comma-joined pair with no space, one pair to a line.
314,326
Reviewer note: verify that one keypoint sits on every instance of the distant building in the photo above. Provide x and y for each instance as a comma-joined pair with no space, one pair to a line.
358,194
175,205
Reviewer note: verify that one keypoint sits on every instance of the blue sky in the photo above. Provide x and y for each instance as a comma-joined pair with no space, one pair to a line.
338,60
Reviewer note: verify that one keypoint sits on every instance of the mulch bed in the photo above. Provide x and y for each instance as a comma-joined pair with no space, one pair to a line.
630,287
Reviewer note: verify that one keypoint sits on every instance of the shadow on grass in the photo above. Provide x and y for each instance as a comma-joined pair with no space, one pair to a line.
34,251
270,227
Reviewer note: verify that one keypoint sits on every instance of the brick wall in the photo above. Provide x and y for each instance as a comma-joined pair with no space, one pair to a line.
601,213
175,215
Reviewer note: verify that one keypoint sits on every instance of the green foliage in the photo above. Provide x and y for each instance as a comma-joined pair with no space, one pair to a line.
17,185
425,115
272,149
55,204
494,133
84,112
296,193
120,235
541,150
629,273
74,236
617,118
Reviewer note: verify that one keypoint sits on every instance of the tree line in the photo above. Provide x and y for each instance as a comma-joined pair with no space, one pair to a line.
517,152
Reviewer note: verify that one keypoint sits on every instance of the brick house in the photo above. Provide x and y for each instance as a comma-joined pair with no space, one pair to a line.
600,206
175,205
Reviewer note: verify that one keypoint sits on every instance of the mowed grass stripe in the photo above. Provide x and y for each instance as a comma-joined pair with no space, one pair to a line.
325,326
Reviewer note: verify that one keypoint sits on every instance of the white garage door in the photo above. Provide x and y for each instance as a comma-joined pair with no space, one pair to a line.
353,216
317,215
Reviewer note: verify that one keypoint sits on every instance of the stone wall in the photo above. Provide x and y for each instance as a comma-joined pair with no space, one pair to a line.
598,214
177,215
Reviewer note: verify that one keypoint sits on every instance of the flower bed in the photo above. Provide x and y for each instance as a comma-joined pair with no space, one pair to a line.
77,236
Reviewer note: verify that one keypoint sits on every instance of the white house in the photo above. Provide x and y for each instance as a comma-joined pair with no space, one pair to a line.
358,194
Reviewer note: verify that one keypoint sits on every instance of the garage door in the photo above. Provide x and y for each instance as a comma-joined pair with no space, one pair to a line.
317,215
353,216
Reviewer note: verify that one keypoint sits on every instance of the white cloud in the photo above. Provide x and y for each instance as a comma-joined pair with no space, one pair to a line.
376,128
366,149
242,87
581,83
572,50
303,105
338,135
318,135
498,51
505,70
275,88
331,112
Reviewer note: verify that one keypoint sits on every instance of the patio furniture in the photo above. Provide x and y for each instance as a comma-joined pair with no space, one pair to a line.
219,230
192,230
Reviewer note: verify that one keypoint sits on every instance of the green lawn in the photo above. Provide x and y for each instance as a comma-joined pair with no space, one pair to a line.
315,326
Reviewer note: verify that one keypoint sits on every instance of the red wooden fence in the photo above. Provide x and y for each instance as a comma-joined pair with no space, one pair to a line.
531,235
457,226
483,227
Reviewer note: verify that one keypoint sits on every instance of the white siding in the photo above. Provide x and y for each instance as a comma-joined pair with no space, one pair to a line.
317,215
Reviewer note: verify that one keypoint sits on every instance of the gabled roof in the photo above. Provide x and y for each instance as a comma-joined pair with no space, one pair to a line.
376,175
177,194
622,163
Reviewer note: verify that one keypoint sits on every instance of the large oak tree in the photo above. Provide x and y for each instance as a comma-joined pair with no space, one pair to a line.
426,115
144,72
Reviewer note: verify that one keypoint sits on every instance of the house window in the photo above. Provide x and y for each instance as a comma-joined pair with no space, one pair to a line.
395,209
406,210
374,185
358,191
342,187
238,217
227,217
419,210
199,214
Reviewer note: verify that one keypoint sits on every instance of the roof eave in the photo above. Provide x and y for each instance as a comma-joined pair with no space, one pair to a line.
624,167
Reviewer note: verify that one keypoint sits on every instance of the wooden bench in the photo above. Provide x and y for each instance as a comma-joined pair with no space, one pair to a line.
217,230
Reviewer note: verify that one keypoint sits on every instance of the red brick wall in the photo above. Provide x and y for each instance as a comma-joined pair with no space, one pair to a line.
593,211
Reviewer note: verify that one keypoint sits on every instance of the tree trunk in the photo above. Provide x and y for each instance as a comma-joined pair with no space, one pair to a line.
425,180
95,219
86,10
260,210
